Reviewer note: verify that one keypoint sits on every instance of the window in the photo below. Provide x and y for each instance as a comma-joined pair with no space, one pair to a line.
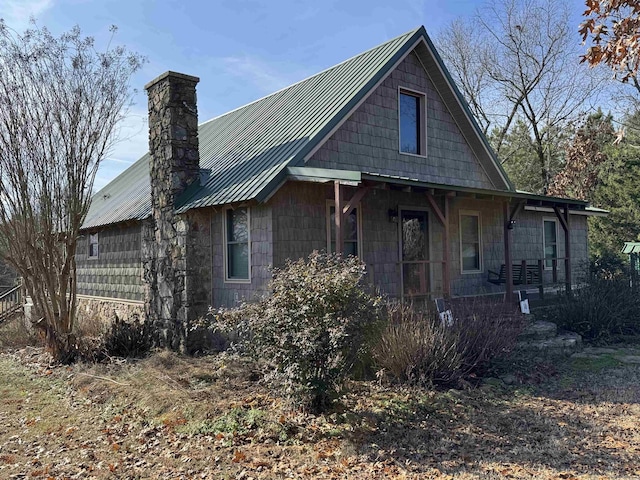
93,245
550,242
350,231
237,244
412,133
470,242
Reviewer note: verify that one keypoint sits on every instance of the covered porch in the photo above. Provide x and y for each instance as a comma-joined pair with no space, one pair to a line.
436,250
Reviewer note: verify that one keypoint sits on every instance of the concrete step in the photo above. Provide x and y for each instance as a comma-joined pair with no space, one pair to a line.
563,344
539,330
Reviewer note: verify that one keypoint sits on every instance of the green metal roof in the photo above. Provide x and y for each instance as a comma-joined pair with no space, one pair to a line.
244,154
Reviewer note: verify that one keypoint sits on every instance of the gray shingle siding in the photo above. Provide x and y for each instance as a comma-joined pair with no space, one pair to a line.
299,219
369,140
117,271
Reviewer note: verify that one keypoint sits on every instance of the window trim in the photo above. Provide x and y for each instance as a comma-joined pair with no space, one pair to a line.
544,241
89,243
225,250
423,121
358,208
471,213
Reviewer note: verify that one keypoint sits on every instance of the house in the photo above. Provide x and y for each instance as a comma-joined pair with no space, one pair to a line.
378,156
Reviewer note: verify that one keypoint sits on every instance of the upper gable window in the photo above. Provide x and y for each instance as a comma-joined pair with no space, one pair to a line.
412,138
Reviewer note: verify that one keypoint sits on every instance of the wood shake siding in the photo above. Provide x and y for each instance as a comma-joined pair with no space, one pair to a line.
299,227
369,140
117,271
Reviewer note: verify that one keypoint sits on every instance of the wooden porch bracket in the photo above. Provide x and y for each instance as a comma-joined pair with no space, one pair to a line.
343,209
443,218
515,212
563,216
357,197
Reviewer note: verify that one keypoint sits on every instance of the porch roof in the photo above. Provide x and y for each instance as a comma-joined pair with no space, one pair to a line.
631,247
350,177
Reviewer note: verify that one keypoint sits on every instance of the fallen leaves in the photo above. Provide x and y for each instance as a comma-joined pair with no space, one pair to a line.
81,427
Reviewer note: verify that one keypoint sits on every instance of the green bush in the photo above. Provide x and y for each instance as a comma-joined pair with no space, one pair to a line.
313,327
608,266
417,347
599,310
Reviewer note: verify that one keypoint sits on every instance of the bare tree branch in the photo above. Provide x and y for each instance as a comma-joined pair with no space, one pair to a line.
60,103
527,57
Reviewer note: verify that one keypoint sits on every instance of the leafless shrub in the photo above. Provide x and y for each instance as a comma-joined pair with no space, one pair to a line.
418,347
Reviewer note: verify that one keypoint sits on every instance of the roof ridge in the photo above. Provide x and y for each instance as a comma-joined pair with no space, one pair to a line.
406,34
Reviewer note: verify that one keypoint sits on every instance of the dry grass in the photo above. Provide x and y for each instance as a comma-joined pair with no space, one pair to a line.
15,334
174,417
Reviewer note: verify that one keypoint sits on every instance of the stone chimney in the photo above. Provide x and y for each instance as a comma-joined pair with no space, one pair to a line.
173,166
173,136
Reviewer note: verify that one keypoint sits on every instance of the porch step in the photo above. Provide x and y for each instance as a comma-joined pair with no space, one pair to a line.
541,338
539,330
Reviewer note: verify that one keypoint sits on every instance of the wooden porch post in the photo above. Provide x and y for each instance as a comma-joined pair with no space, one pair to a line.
446,255
508,265
566,226
443,217
337,191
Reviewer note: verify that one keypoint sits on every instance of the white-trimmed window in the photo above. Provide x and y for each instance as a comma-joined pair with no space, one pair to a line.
550,241
93,245
237,245
411,118
470,242
350,231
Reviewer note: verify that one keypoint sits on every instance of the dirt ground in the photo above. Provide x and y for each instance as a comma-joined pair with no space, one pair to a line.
211,417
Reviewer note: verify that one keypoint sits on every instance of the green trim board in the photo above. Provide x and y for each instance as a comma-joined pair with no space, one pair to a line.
500,193
631,247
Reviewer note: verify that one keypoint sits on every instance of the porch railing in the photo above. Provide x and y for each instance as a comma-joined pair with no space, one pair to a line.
418,278
10,301
536,273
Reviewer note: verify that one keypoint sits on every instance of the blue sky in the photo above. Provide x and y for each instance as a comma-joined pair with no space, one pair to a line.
240,49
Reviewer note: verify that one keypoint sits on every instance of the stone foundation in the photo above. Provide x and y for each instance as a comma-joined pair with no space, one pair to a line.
105,310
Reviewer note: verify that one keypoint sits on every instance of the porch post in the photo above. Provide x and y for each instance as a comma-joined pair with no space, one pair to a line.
566,226
337,191
443,217
567,249
508,262
446,268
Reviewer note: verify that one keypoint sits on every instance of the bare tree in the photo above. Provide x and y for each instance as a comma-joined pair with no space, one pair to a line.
519,60
60,104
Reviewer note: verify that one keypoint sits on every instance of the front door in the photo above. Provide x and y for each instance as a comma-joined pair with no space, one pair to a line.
415,253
